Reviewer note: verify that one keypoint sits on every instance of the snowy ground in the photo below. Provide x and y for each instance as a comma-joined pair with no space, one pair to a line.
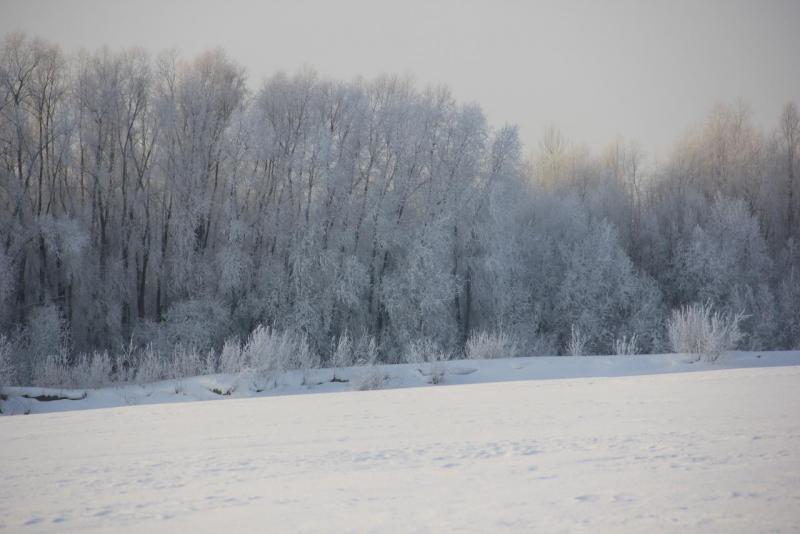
225,387
707,451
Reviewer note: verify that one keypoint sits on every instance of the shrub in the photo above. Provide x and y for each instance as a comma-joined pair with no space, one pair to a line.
698,330
53,371
99,369
267,354
625,346
210,363
487,346
428,354
365,351
185,362
342,353
124,362
150,366
368,377
301,356
91,371
263,354
230,359
576,346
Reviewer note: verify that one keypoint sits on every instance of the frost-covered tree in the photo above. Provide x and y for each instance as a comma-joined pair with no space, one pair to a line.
164,202
726,262
603,296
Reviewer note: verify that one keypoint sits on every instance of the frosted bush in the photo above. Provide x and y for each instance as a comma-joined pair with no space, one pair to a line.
576,346
342,354
267,354
366,351
625,346
210,363
417,351
150,366
186,362
366,377
431,358
7,369
369,375
302,357
230,359
100,370
53,371
125,362
698,330
92,371
487,346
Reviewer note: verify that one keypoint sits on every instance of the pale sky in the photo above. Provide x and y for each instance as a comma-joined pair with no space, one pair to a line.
644,70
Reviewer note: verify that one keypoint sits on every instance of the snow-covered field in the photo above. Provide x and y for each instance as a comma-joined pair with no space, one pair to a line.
706,451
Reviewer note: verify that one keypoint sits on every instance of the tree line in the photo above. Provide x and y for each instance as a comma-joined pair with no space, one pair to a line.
160,201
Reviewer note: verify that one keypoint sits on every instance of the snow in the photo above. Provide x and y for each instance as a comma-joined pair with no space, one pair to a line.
23,400
704,451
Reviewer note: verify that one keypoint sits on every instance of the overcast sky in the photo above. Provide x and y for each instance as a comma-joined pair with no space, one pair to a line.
598,69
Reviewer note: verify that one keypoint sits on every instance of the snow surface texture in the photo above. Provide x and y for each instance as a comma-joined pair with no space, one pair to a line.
707,451
33,400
